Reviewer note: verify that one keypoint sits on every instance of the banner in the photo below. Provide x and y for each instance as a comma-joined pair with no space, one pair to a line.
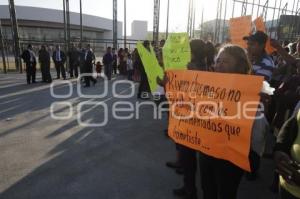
213,112
151,65
238,28
260,26
177,51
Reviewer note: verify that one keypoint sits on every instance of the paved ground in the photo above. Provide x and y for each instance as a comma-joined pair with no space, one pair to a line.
44,158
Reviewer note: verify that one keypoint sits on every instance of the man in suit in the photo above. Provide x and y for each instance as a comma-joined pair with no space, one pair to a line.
59,59
107,61
89,59
74,61
44,59
29,58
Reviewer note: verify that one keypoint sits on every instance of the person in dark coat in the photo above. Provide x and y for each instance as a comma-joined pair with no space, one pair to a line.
108,63
89,59
59,59
115,62
74,61
44,59
30,60
144,88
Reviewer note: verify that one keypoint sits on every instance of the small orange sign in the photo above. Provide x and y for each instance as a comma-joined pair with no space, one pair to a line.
260,26
238,28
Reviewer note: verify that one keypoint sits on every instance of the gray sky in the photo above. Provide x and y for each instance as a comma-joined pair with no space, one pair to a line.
143,10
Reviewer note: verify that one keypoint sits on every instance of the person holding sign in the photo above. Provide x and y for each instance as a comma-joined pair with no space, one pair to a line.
220,178
188,155
144,88
262,63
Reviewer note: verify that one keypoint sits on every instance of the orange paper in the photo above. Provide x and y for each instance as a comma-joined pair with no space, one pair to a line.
238,28
207,112
260,26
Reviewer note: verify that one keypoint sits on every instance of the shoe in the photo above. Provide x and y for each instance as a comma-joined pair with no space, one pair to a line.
181,192
173,165
33,82
86,86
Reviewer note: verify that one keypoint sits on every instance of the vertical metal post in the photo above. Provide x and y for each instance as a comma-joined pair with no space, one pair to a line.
225,12
68,33
233,7
115,24
252,10
125,24
219,20
168,15
15,37
272,29
156,22
189,19
194,18
258,7
65,25
278,18
202,19
216,24
294,13
298,25
81,26
2,48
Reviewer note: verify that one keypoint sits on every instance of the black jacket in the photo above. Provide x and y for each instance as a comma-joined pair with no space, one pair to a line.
62,56
44,57
26,57
287,135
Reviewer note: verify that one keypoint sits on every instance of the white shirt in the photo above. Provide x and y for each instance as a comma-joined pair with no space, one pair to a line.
58,57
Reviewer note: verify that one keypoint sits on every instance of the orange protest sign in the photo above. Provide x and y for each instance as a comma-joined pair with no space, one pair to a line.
260,26
213,112
238,28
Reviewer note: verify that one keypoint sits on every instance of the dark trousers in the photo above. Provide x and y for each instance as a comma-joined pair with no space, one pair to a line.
30,72
189,164
254,162
144,86
87,79
220,179
107,71
115,69
60,68
45,70
73,69
130,75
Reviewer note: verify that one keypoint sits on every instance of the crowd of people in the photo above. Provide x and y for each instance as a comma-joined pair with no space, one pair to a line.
220,179
80,61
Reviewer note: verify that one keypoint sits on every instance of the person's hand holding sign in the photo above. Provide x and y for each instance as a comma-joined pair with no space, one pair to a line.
162,82
287,168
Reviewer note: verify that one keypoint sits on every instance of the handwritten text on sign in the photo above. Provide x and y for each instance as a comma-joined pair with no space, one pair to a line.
208,112
177,51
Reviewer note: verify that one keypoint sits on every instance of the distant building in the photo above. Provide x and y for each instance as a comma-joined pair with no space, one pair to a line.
139,30
41,25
